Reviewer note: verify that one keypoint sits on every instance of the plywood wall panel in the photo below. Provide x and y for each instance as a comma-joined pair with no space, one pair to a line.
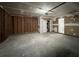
72,25
31,25
16,24
23,24
5,25
0,25
37,25
72,30
8,20
10,23
19,24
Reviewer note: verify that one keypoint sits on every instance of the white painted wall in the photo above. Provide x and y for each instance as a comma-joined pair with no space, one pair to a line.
43,25
61,25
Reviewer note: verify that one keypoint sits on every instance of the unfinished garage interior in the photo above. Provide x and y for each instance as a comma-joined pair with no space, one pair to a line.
39,29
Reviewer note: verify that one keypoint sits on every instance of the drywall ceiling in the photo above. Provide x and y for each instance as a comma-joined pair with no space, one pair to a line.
40,8
66,9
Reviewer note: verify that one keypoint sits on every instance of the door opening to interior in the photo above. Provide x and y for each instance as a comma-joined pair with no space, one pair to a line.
48,25
61,25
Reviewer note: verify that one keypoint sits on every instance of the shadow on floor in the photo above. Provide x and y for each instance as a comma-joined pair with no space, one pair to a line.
61,53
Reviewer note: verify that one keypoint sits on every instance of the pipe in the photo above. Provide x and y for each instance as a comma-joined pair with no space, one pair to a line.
57,6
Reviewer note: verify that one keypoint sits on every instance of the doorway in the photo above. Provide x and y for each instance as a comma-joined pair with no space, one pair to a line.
48,25
43,26
61,25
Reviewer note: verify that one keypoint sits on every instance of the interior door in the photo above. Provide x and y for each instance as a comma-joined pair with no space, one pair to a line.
43,26
61,25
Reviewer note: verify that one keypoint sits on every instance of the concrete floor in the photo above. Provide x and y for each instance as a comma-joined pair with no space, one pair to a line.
36,45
